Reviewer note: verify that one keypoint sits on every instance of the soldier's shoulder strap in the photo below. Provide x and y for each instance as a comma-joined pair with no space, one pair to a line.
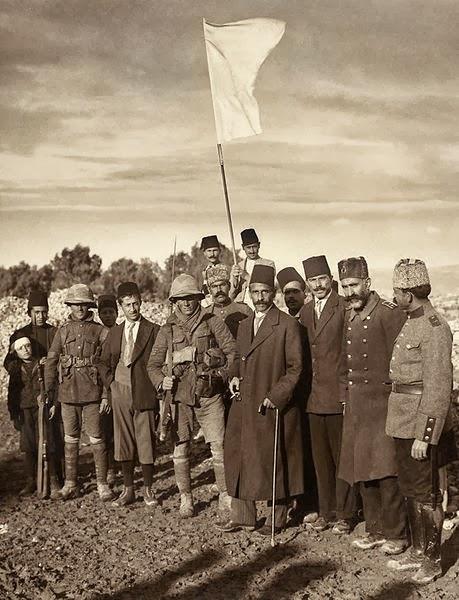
389,304
434,321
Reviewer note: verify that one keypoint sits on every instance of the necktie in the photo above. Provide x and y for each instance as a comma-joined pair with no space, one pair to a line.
318,308
129,345
257,323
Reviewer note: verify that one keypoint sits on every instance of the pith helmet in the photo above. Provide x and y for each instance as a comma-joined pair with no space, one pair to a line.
184,285
80,294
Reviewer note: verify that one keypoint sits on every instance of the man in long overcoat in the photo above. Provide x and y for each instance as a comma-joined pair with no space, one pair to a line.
367,453
266,370
323,318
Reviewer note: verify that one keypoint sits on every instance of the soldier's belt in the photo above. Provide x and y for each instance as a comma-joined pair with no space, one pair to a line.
76,361
404,388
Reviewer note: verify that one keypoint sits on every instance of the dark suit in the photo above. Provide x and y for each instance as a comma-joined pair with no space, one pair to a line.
324,407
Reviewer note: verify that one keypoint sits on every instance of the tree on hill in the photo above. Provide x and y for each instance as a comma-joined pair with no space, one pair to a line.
146,273
75,265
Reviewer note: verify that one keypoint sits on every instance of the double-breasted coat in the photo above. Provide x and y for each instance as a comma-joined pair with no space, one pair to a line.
367,453
325,341
268,366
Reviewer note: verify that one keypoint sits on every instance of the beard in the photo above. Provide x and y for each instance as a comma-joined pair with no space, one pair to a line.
358,301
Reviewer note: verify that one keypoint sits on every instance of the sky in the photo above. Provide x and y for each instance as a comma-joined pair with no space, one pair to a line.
107,135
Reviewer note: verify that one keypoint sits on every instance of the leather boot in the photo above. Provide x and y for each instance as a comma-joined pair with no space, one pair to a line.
30,471
100,461
70,489
414,557
431,565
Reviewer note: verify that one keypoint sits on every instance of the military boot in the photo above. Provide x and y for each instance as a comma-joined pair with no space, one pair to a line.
430,568
70,489
414,557
100,461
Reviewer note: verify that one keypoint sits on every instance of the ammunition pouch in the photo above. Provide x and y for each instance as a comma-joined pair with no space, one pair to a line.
67,362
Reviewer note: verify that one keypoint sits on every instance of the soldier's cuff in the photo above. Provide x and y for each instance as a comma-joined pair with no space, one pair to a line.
428,428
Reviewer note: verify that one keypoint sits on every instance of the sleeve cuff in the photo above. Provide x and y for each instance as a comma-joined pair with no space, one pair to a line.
428,428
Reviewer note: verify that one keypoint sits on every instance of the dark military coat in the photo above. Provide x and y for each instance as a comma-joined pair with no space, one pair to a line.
268,366
421,359
367,453
325,341
72,361
232,314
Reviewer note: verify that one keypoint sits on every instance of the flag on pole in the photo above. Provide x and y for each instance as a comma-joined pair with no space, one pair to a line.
235,53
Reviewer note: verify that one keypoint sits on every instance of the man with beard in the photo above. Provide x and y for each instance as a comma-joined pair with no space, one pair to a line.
123,368
367,453
265,373
418,417
241,273
200,349
323,318
232,313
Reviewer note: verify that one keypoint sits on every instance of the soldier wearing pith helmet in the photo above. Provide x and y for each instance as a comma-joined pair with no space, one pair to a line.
419,404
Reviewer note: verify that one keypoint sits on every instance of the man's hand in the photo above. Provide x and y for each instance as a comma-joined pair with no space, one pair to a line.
419,450
267,402
105,406
51,412
168,383
234,385
236,272
43,360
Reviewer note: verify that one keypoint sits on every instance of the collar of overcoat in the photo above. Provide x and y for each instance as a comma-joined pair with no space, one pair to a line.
143,334
266,329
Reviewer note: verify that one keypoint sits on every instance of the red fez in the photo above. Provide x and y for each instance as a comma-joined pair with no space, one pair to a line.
354,267
105,300
263,274
288,275
210,241
129,288
249,236
315,266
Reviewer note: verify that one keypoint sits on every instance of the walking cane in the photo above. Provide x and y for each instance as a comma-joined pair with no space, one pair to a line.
273,509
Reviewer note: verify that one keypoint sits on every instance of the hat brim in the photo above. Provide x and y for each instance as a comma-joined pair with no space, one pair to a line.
198,295
90,304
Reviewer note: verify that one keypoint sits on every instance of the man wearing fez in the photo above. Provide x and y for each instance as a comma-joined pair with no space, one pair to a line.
71,370
133,396
241,273
200,349
367,453
266,370
108,312
323,318
232,313
418,415
39,332
293,287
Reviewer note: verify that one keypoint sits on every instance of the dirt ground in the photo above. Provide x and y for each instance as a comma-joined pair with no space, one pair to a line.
83,549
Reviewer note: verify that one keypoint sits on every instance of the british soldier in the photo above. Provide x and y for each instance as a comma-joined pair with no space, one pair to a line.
367,452
418,415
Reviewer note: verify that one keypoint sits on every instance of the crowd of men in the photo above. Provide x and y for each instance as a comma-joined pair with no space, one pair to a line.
359,387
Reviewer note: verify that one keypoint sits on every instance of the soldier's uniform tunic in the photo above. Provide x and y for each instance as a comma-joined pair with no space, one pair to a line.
421,372
232,314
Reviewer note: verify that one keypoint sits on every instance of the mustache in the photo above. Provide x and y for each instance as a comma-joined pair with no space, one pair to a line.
354,297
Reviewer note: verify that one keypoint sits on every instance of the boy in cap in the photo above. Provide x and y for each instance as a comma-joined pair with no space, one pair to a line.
367,453
123,370
23,391
201,348
71,372
241,273
107,310
264,375
323,317
418,416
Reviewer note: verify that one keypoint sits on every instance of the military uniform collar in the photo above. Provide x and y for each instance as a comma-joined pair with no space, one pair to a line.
369,307
415,314
87,320
220,306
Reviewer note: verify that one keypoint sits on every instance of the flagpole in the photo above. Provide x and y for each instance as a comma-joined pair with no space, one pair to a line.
227,202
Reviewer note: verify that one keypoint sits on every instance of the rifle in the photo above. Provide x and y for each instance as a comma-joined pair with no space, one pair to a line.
43,419
434,476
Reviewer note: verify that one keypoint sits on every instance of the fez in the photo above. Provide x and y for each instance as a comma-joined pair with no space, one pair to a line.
354,267
263,274
315,266
128,288
217,273
107,300
410,273
249,236
37,298
210,241
289,275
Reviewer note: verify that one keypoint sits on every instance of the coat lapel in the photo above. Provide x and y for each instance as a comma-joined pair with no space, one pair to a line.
327,312
142,338
266,328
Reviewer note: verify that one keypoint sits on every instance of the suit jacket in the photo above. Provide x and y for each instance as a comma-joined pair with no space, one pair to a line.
143,391
325,342
268,366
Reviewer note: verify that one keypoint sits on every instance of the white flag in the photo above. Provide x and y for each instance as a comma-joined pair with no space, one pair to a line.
235,53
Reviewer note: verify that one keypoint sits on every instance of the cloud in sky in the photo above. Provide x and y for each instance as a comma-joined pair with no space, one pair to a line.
108,135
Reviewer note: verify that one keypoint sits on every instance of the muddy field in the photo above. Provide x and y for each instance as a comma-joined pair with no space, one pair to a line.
82,549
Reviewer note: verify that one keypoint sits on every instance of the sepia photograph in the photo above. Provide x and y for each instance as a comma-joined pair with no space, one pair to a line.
229,300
